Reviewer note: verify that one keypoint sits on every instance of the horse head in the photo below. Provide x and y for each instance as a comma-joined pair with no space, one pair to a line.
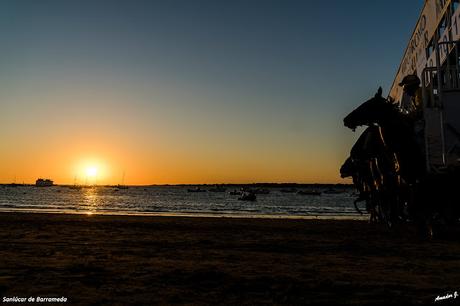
372,111
348,168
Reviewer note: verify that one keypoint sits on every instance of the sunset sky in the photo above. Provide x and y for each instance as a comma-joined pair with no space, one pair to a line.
190,91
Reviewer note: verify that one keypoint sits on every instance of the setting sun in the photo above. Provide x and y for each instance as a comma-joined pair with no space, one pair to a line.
91,171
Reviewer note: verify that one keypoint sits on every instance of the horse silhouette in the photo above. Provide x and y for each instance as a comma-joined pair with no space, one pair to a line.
397,134
374,170
428,196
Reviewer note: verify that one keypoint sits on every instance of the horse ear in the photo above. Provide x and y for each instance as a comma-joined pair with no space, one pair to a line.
379,93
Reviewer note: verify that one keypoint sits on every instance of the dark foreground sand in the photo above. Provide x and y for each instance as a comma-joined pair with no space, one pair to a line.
119,260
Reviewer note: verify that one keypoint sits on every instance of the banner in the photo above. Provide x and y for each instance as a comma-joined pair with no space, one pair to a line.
456,24
415,56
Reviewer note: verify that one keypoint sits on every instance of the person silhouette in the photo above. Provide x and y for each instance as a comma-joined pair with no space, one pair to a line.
412,106
412,103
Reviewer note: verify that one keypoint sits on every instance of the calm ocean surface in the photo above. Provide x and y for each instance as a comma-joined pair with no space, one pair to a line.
172,200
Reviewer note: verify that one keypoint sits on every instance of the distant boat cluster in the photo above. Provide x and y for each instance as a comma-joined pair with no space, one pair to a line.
248,194
48,183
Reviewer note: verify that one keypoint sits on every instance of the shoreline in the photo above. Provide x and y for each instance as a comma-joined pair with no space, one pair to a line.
132,260
349,217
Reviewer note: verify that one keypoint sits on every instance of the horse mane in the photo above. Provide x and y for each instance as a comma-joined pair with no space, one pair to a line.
400,117
368,144
391,105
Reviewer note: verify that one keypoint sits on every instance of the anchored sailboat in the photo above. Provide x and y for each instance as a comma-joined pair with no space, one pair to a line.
122,185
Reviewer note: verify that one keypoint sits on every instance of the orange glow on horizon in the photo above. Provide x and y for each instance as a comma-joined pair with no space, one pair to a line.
170,168
143,151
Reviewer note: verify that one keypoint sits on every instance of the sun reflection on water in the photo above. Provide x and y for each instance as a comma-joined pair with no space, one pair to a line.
91,199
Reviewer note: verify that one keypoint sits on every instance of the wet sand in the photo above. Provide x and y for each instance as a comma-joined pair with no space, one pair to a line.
121,260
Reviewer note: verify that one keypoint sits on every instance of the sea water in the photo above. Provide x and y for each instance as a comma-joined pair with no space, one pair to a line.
173,200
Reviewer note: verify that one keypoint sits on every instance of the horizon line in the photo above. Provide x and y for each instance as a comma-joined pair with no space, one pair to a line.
181,184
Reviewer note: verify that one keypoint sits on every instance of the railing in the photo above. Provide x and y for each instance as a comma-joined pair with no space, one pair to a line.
444,76
438,83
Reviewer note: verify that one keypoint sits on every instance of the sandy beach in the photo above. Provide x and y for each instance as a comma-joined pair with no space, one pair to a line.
121,260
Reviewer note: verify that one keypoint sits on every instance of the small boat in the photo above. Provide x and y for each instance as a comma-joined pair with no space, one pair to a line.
261,191
122,185
44,183
288,190
197,189
309,192
333,191
235,192
218,189
247,196
75,185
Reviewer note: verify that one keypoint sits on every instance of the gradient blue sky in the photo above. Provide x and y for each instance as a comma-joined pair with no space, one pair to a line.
191,91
